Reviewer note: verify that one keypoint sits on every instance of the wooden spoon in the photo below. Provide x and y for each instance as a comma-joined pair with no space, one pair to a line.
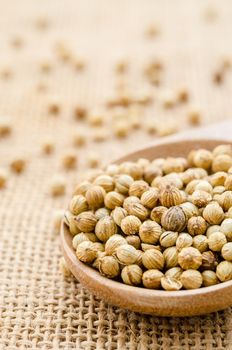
157,302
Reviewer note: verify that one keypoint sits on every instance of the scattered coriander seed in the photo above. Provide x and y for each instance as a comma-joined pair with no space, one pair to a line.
121,128
79,138
3,177
5,126
191,279
189,258
100,134
182,95
150,198
96,119
79,63
105,228
168,99
224,271
58,185
80,112
130,225
69,160
153,259
64,268
48,146
152,31
54,106
216,241
86,252
57,219
194,116
93,160
18,165
209,278
109,267
132,275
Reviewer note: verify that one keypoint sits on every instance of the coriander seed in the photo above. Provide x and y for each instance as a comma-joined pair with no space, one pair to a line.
113,243
153,259
134,241
126,254
95,196
216,241
105,228
174,219
108,266
191,279
132,275
86,221
224,271
149,232
130,225
170,283
189,258
113,199
152,279
209,278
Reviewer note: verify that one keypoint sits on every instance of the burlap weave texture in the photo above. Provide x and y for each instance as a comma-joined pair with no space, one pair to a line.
39,309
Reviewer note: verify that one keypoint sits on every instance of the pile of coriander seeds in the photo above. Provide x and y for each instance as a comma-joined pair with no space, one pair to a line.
161,224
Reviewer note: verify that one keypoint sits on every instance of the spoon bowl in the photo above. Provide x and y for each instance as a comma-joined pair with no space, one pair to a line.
157,302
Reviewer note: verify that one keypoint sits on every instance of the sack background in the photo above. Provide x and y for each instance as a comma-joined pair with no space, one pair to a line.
39,309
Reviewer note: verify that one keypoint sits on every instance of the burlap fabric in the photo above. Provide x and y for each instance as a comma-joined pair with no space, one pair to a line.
39,309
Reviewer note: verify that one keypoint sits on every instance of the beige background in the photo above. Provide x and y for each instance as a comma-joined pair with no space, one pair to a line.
38,308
